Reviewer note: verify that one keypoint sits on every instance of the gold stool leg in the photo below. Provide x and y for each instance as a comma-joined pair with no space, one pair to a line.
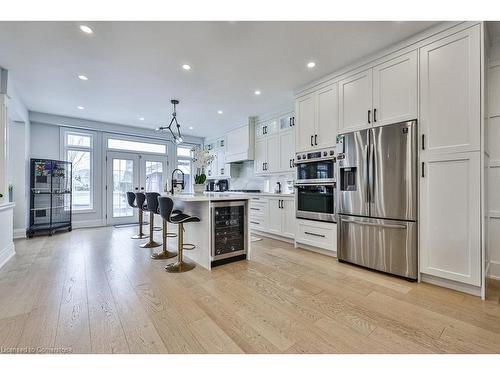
180,265
151,242
141,222
165,254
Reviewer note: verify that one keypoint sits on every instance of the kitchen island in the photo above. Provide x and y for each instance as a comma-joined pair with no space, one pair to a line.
206,206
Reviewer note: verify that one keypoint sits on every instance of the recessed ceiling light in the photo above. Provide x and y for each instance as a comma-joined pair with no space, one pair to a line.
191,127
220,112
80,107
83,77
86,29
257,92
311,64
186,67
141,118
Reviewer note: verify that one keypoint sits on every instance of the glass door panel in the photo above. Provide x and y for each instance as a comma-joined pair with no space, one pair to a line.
153,169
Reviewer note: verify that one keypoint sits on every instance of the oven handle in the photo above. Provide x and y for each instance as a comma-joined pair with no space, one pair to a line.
315,184
314,160
316,181
393,226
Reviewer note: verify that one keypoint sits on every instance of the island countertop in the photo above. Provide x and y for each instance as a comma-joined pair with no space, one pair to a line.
206,197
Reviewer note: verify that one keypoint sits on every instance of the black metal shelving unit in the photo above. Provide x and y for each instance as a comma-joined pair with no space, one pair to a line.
50,196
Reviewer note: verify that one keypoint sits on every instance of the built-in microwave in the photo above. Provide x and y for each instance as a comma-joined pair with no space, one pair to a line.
315,166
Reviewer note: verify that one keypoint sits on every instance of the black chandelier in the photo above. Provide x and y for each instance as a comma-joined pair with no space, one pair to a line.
178,138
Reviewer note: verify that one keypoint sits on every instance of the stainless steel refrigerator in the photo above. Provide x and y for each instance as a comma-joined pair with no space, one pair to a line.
377,198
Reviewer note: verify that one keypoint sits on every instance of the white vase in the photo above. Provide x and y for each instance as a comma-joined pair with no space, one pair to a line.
199,188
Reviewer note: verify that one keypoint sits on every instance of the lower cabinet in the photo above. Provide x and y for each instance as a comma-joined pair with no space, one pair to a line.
450,217
317,234
273,215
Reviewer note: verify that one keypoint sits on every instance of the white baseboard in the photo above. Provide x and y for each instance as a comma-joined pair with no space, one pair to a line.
329,253
493,270
19,233
450,284
7,253
270,235
88,224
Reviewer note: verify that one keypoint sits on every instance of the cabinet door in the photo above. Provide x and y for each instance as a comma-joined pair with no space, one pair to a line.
260,154
275,216
211,170
450,231
289,222
327,117
221,164
305,112
450,92
395,90
355,102
287,151
273,154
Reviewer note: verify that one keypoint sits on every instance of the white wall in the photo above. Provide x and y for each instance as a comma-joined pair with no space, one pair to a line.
493,139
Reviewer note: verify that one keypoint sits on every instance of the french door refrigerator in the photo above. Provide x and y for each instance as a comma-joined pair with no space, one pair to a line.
377,198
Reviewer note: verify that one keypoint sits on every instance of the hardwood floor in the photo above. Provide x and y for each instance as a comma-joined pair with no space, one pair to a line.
97,291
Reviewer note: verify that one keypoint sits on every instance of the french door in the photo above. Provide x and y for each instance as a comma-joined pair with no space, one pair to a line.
128,171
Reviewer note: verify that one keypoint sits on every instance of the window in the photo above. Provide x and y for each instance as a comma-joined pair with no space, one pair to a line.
184,163
122,144
78,149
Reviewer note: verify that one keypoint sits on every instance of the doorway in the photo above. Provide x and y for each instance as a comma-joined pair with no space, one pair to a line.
129,171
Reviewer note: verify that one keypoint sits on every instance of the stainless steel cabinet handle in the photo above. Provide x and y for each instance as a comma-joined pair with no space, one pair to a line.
365,178
391,226
372,173
315,234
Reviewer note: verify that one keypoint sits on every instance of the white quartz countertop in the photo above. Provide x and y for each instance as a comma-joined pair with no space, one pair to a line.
281,195
207,197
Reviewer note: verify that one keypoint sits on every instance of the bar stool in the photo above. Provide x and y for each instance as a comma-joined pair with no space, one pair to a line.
166,208
165,254
131,202
152,208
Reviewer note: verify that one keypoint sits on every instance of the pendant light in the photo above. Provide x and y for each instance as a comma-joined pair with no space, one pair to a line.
178,138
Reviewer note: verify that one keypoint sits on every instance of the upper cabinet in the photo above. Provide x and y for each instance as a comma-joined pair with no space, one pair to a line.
240,144
219,168
317,119
395,90
450,93
384,94
355,101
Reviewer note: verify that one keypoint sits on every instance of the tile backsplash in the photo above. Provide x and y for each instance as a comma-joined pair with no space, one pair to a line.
243,177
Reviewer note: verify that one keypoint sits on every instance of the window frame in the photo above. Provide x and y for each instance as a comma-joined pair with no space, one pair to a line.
65,147
189,158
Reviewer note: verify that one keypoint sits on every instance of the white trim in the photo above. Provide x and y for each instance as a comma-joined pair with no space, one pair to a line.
258,233
88,223
330,253
7,253
493,270
450,284
19,233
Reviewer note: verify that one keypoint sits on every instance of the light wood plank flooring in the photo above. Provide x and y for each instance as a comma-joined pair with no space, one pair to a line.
97,291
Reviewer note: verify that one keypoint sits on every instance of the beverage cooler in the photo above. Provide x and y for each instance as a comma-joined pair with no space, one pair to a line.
50,196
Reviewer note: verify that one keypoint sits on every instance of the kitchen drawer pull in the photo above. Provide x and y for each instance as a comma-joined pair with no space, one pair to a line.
312,144
255,222
315,234
255,209
390,226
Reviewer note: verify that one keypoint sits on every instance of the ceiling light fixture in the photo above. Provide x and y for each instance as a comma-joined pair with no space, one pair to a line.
177,139
311,64
186,67
83,77
191,127
86,29
141,118
220,112
257,92
80,107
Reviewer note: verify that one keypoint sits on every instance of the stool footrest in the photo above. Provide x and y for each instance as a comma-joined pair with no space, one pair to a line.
170,234
188,246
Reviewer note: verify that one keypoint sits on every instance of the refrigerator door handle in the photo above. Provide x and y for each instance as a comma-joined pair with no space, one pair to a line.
390,226
371,173
366,181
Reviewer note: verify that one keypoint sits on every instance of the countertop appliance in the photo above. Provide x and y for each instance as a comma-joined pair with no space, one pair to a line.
223,185
315,185
377,194
210,185
229,231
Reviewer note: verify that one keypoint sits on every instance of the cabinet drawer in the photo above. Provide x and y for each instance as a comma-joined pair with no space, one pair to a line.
258,222
258,209
322,235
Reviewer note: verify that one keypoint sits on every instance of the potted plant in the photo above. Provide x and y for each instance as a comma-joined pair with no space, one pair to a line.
201,160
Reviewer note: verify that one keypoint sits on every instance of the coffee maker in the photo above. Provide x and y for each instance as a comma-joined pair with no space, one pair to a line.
210,185
223,185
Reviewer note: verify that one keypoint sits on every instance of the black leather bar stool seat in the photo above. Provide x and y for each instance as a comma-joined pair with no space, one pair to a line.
166,209
131,198
152,208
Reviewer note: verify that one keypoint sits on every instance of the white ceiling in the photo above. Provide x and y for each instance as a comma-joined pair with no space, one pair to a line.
134,68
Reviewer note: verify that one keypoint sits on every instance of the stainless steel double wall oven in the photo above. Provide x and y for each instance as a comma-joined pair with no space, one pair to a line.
315,185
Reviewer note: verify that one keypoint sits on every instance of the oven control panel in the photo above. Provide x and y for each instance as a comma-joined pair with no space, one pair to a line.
325,154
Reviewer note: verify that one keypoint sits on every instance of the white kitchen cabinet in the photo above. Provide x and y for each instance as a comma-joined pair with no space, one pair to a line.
327,115
286,122
450,93
264,128
287,151
275,221
272,154
260,155
317,119
240,144
395,90
289,220
450,229
305,113
317,234
355,101
219,168
280,218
